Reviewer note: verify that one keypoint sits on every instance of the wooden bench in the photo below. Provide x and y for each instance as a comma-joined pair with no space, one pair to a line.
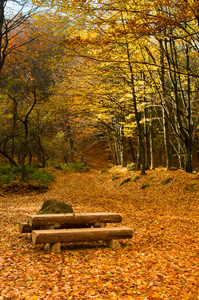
54,229
53,238
53,221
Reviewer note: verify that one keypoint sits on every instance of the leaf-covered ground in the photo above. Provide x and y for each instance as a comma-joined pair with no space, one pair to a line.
161,261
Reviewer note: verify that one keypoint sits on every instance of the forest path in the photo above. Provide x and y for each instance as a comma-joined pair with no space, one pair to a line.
161,261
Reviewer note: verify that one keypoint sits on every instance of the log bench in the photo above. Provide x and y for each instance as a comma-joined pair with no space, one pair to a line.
53,229
52,221
53,238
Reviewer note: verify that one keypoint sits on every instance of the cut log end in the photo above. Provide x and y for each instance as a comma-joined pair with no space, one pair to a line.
25,228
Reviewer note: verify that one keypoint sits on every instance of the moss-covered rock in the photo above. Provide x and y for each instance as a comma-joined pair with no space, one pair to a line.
131,167
52,206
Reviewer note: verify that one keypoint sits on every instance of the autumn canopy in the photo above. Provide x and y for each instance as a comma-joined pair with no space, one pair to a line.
77,73
99,103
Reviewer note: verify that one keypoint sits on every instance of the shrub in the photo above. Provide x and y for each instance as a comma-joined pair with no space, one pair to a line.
144,186
6,178
8,174
191,186
5,169
104,171
125,181
41,176
115,177
136,178
166,181
79,166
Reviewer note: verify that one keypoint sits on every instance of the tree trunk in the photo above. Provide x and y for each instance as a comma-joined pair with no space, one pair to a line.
151,141
137,114
147,139
167,145
2,17
164,107
139,127
189,139
138,165
132,156
117,152
123,153
188,156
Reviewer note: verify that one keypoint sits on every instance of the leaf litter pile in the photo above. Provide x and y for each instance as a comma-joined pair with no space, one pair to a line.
161,261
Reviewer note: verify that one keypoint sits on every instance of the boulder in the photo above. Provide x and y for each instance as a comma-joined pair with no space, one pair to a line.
52,206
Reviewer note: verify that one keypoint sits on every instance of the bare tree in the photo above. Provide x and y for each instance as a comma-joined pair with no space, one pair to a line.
11,21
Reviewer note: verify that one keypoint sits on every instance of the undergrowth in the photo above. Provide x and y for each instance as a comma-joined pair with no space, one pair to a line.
9,174
144,186
79,166
166,181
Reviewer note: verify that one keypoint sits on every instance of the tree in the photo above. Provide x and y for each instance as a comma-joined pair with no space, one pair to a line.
11,25
127,38
26,90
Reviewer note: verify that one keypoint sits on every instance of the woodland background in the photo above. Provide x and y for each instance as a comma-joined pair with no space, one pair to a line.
77,73
105,88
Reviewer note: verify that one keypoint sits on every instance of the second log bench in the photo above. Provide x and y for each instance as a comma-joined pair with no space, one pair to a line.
79,220
52,229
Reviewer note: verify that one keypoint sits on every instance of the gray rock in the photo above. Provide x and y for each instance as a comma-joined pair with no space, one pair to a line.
52,206
131,167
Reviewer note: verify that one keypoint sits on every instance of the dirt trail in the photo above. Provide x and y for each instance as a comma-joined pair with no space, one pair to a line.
161,261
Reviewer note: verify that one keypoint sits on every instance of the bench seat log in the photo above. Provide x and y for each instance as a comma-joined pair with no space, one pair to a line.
77,220
80,235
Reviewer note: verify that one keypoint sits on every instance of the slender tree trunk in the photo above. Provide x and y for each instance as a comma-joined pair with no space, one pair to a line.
167,145
14,125
164,107
2,17
151,141
117,151
24,174
111,150
123,150
141,152
142,149
71,142
189,138
124,160
138,155
147,139
26,137
188,156
132,157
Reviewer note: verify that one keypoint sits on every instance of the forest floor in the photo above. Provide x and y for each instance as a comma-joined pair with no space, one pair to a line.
161,261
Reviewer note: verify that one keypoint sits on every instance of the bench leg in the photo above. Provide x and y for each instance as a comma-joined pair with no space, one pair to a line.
98,224
113,244
54,247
